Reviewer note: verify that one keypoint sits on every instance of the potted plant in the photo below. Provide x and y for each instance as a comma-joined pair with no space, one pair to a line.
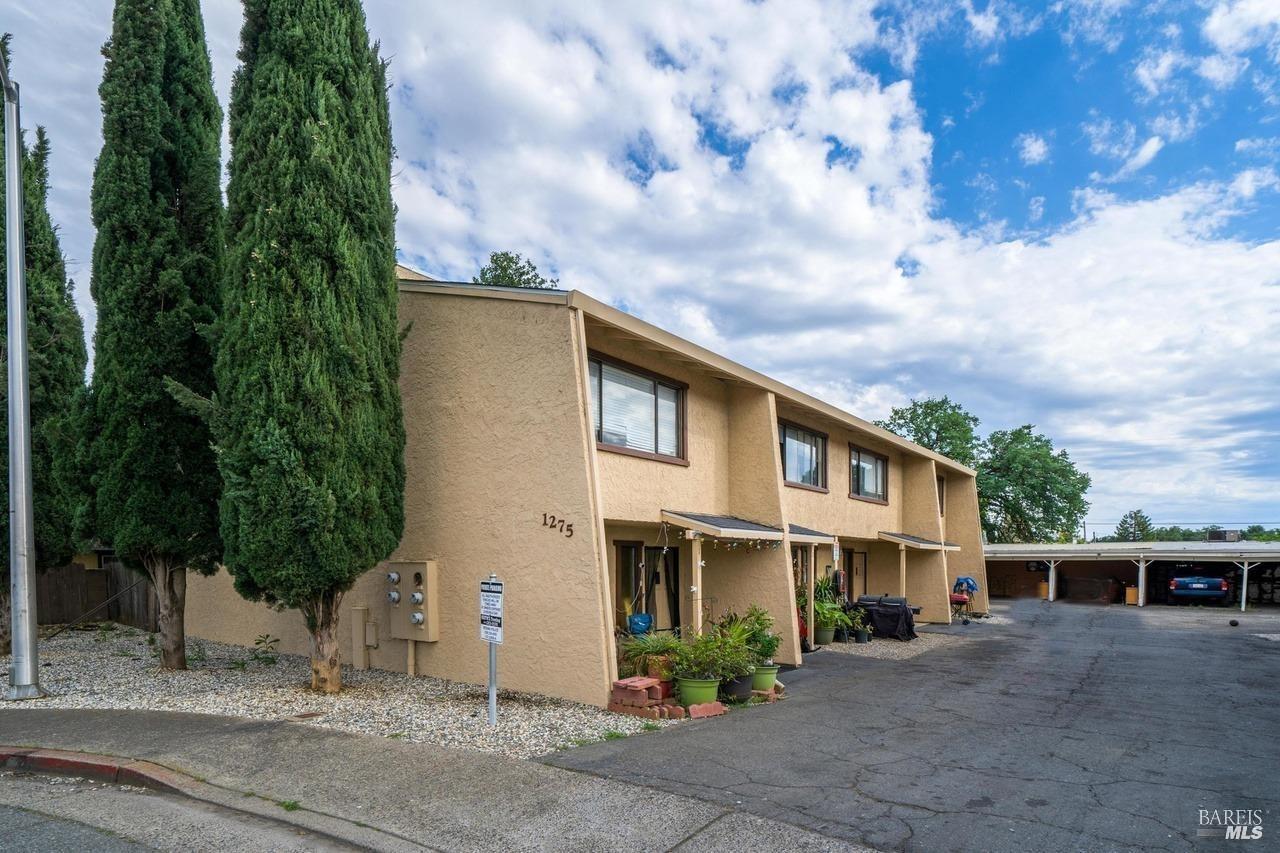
763,643
859,625
652,654
828,615
698,668
737,659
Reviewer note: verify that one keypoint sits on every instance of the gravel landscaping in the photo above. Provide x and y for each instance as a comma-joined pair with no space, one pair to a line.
116,667
895,649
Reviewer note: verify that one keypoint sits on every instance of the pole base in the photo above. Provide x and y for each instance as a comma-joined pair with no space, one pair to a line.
19,692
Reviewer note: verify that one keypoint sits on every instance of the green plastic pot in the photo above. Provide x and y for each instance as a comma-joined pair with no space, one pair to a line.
696,691
765,678
824,636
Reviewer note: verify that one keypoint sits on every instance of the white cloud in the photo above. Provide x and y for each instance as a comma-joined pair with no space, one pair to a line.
1258,146
1140,159
1108,138
1155,68
1175,127
1032,148
1221,70
1035,209
1240,25
985,24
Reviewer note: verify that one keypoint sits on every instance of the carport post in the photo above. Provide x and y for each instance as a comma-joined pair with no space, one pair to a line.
1244,581
1053,579
1142,581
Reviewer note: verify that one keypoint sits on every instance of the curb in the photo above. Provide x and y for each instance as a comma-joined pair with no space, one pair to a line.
146,774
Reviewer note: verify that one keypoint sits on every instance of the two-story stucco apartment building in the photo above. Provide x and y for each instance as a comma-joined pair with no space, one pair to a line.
601,466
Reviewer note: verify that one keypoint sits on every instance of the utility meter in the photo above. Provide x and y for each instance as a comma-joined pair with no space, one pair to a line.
414,600
394,596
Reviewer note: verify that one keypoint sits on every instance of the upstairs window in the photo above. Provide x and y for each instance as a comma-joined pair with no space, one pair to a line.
804,456
868,474
635,411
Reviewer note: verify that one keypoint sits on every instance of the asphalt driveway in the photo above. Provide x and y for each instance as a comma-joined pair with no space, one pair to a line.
1073,727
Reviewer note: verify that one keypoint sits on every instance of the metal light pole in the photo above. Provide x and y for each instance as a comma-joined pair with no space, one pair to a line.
24,672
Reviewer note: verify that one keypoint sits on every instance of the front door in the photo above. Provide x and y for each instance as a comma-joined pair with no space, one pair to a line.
855,567
662,586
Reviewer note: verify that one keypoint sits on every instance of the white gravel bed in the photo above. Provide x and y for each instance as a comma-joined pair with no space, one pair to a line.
895,649
117,667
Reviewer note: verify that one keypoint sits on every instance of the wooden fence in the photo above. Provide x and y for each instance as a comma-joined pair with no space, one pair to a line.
67,593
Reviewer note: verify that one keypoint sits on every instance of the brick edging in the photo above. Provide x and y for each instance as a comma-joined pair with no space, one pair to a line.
104,768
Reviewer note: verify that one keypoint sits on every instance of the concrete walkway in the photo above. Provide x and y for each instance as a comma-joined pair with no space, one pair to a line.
1072,727
388,795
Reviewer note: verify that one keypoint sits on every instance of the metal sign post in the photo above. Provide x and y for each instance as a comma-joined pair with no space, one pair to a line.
491,633
24,671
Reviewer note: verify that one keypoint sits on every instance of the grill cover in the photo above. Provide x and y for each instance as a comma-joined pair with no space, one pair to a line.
889,617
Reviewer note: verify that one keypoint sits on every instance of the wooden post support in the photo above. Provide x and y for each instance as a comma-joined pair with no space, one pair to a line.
902,571
809,583
1142,581
1053,580
695,544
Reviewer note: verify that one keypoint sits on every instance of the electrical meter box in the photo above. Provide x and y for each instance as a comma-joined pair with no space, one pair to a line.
413,599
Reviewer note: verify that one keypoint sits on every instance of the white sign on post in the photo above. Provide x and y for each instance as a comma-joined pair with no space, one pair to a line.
491,611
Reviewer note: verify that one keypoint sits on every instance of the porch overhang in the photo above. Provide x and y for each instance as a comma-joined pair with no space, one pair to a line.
721,526
917,542
809,536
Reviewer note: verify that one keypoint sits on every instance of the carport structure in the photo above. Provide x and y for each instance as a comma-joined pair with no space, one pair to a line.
1243,556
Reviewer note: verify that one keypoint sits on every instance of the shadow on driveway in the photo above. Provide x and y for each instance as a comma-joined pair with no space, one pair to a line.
1075,727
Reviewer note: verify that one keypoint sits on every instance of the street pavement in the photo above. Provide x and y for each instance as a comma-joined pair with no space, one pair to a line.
384,794
1072,727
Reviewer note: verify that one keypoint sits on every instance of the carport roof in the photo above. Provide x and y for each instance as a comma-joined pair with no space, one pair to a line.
1222,551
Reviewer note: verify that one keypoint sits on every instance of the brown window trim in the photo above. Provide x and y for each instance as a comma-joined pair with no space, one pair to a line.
682,411
884,501
826,458
641,454
793,485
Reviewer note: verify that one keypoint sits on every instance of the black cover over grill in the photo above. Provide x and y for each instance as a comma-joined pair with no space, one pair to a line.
889,616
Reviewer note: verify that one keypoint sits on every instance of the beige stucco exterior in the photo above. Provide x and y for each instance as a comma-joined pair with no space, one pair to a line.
499,437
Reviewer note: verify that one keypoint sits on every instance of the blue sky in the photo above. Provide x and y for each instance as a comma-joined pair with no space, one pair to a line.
1062,213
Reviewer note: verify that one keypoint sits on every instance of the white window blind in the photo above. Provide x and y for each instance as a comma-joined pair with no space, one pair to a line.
668,421
634,411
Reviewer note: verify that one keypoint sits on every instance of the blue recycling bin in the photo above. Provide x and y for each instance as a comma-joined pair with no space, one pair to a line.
639,623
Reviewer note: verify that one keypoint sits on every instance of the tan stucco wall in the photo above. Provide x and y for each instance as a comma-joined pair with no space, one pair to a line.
497,435
962,526
927,584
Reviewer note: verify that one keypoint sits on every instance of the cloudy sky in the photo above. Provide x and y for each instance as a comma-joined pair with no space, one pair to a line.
1063,214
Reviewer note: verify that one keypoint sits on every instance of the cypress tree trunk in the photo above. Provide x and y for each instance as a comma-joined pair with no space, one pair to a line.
307,417
322,621
170,584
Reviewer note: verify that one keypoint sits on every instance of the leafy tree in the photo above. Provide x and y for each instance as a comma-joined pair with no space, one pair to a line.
157,259
509,269
56,363
1026,491
1135,526
938,424
307,414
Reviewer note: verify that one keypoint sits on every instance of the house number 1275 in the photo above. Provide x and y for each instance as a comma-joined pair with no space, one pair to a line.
550,521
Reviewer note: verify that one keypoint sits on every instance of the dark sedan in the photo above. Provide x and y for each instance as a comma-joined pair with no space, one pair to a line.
1198,589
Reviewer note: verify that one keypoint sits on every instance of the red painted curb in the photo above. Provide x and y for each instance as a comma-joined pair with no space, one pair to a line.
104,768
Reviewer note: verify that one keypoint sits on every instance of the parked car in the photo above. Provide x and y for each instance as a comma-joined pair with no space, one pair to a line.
1197,588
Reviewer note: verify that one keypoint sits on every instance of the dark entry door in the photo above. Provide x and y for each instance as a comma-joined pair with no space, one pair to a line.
662,573
855,568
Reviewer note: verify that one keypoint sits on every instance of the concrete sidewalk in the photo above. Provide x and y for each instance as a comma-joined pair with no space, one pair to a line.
386,794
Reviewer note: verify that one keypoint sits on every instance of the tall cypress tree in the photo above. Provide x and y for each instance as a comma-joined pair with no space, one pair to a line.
157,264
56,363
308,423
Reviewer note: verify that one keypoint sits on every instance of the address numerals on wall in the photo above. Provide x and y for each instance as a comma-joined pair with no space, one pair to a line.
558,524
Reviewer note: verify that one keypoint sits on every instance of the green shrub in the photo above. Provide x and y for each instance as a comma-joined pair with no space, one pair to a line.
639,652
828,614
714,656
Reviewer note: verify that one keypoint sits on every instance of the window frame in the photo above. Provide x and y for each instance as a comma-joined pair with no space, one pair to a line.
857,451
826,456
682,410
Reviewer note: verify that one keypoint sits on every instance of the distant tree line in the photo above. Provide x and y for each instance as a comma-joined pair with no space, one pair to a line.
1027,490
1136,526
